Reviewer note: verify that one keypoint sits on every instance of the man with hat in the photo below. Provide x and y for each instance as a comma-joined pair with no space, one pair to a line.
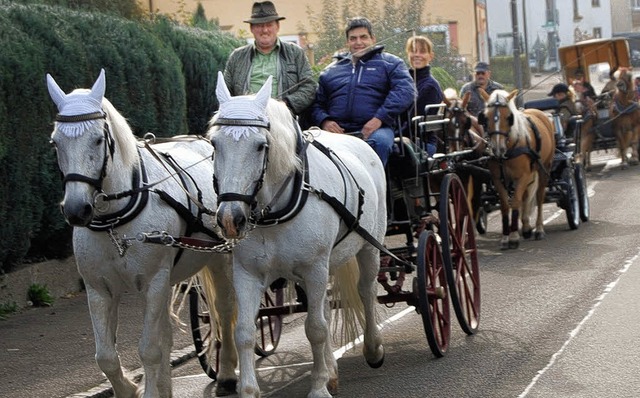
248,67
483,80
566,108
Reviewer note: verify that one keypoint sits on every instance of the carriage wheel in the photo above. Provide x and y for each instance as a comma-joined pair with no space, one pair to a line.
269,327
583,195
431,288
203,336
570,199
460,253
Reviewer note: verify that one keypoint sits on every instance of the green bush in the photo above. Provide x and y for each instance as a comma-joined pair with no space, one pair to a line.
159,75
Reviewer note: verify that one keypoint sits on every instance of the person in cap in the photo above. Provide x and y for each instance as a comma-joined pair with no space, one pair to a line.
566,106
364,90
483,80
582,87
248,67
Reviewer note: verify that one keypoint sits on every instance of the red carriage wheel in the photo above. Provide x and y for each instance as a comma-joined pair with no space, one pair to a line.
203,336
269,327
460,252
430,286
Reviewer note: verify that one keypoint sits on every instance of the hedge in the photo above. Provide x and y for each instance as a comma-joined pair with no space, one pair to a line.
160,76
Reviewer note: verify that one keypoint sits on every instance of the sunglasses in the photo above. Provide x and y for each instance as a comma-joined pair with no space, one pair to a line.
481,73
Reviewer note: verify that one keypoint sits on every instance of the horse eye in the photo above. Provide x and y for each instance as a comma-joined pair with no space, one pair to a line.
262,147
99,141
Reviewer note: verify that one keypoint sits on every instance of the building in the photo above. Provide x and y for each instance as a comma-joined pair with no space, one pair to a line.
558,23
462,22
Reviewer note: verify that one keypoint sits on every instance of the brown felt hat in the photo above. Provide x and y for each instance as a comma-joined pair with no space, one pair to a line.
262,12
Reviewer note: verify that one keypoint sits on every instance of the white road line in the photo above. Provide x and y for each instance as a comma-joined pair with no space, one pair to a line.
574,332
337,354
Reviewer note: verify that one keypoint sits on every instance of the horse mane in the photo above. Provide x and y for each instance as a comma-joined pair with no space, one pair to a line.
627,78
283,140
520,124
282,136
125,141
451,94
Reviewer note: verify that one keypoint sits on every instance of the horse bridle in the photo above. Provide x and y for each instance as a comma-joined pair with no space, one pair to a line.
109,148
496,120
455,111
234,196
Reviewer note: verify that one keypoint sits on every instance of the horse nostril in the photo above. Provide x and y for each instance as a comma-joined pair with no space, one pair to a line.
240,221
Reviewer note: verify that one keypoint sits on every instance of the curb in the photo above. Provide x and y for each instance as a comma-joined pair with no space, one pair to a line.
104,390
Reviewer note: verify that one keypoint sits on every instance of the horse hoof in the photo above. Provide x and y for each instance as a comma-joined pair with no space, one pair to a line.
375,364
226,387
332,386
504,245
513,244
526,234
540,235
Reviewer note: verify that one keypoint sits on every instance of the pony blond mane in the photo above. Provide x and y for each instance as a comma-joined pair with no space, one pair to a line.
126,142
520,124
451,94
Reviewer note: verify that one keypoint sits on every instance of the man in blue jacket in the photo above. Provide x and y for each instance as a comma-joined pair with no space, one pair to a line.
364,90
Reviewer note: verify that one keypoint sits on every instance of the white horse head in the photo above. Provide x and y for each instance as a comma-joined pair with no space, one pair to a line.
255,145
94,146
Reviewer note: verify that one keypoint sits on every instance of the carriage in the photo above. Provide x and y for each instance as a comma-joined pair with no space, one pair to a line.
595,59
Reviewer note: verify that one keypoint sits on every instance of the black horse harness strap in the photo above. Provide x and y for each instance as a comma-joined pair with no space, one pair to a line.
527,150
299,196
137,202
352,222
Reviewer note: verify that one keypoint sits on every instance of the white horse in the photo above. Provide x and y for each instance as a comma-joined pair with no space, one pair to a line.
116,186
269,176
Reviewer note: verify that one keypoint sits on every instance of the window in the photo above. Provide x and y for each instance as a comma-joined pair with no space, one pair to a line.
597,33
595,3
635,4
576,11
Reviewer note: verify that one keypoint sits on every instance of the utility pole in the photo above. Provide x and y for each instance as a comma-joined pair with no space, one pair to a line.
517,67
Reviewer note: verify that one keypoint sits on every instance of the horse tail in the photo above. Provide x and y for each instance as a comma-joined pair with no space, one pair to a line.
344,283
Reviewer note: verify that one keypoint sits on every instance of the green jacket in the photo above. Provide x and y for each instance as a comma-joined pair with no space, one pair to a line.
295,79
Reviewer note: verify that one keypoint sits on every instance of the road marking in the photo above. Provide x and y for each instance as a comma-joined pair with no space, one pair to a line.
337,354
608,288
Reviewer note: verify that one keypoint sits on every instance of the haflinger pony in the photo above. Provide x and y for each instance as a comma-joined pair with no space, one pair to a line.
624,113
115,187
295,200
523,144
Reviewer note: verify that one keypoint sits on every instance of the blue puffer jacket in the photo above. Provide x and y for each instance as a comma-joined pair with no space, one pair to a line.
379,85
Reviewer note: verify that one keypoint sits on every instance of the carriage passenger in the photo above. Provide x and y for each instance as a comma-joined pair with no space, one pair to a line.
248,67
482,80
566,107
420,53
364,90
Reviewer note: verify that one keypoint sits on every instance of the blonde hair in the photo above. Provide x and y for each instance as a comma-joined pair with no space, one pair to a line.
416,42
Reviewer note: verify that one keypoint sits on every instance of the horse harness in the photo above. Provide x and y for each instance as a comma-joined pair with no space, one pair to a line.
139,195
302,188
516,151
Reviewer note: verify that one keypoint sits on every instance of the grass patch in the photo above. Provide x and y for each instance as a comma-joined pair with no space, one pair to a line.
7,309
39,295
